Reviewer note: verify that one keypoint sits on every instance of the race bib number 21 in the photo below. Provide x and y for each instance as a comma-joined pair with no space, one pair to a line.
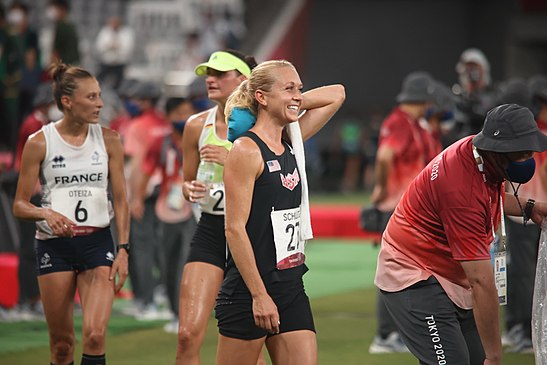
288,246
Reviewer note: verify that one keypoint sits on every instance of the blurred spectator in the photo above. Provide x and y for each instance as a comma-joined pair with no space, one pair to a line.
192,53
212,33
4,137
65,46
440,118
146,253
403,151
351,142
522,242
129,110
177,221
27,53
476,96
538,90
29,306
114,44
42,102
514,91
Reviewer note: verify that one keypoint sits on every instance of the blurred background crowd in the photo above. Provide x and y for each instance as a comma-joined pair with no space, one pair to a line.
480,53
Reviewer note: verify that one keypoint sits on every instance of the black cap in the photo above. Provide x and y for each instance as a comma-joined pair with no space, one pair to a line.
515,91
538,86
43,95
510,128
146,90
444,99
418,87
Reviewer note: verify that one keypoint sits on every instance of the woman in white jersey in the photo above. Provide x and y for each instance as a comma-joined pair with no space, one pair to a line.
75,159
204,139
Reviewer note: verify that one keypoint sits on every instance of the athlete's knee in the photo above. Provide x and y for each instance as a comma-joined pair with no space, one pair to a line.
189,336
62,348
94,339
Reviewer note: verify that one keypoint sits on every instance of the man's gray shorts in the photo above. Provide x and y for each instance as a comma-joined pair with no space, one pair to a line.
434,329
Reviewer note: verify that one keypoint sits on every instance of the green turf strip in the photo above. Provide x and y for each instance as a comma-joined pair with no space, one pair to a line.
339,266
343,299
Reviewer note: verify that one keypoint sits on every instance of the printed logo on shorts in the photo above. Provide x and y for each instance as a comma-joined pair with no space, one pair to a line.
291,180
45,261
110,256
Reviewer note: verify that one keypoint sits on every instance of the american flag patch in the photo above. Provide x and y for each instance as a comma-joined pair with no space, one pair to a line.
273,165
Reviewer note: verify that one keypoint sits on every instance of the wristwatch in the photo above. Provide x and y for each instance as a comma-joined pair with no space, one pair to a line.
124,246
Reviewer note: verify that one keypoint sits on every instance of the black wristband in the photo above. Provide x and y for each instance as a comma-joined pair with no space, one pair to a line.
124,246
529,207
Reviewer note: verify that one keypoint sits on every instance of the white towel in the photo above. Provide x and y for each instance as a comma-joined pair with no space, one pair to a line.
295,134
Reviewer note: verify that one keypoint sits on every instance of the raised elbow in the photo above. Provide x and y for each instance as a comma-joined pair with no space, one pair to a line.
340,93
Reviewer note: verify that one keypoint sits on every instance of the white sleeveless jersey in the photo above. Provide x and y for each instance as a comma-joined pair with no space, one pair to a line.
74,180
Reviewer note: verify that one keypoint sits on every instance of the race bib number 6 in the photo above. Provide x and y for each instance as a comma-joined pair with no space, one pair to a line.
288,246
84,206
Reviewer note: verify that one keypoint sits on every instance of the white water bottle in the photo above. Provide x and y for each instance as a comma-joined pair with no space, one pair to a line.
205,175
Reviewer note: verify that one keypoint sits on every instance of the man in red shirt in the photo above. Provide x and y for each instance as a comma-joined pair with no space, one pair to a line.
403,151
434,268
177,223
42,101
143,130
29,305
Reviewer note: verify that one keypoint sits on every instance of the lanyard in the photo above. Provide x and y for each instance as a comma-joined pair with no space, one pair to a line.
480,165
498,245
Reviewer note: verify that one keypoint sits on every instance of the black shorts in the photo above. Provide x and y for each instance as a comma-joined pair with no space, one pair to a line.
235,312
434,329
77,254
209,241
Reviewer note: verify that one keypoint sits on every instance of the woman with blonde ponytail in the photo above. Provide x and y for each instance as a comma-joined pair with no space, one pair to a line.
262,299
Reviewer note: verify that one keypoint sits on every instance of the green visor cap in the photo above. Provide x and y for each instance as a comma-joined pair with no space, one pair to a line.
223,61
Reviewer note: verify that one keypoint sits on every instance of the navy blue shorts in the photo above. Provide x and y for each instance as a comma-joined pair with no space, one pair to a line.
209,241
77,254
235,312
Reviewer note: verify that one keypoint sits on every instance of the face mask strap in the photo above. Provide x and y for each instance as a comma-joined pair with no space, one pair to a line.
525,217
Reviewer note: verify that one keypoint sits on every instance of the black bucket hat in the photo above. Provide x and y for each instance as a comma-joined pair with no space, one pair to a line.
418,87
510,128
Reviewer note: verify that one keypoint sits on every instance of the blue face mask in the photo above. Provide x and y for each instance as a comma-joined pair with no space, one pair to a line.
521,172
444,117
178,126
201,104
132,108
239,122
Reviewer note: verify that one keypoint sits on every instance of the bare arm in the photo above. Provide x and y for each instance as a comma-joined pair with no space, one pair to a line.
243,166
191,158
543,175
384,161
320,104
33,154
485,307
117,181
511,207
